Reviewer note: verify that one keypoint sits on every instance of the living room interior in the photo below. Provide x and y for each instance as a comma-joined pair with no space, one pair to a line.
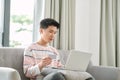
88,26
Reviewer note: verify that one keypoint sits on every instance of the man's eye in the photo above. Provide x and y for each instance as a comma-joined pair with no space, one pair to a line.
55,32
51,31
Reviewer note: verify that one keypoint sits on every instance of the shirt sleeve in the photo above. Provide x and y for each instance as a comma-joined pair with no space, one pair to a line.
31,69
59,58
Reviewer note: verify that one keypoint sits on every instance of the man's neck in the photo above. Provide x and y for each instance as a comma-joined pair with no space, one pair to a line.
42,43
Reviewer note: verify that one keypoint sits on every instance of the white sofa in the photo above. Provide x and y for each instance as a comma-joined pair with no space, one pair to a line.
11,65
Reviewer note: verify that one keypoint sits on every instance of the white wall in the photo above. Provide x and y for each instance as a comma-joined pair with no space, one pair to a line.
87,25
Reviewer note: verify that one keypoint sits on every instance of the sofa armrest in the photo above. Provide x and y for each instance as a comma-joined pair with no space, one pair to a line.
104,73
9,74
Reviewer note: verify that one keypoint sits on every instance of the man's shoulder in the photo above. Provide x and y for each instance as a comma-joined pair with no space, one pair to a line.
54,49
30,46
28,49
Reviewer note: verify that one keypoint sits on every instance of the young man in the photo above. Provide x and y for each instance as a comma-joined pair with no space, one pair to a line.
38,56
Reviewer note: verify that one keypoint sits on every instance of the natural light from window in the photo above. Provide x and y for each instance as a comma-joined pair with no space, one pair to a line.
21,22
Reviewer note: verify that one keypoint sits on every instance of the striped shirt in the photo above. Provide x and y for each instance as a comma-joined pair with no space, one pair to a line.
33,55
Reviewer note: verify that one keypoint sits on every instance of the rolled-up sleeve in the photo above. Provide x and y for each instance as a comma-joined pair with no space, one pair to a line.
31,69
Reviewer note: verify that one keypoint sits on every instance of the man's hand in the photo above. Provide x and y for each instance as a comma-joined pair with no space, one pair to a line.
44,62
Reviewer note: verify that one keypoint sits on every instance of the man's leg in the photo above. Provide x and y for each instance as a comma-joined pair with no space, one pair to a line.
47,71
54,76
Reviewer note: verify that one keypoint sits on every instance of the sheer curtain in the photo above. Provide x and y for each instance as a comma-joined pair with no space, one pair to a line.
38,15
63,12
110,33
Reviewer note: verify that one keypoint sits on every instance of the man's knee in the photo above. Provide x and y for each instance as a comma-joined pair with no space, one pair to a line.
54,76
59,76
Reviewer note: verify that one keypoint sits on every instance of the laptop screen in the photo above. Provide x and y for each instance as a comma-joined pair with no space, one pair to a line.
78,60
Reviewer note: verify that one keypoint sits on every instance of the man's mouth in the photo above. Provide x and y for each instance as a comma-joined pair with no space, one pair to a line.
51,39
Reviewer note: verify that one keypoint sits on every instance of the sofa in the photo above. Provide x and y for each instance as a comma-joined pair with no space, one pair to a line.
11,66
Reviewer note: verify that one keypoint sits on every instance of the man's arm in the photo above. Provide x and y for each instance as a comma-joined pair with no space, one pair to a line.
31,69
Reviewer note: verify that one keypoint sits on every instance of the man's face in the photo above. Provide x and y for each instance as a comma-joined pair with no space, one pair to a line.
48,34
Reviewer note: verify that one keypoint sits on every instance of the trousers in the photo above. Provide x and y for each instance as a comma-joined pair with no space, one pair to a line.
52,74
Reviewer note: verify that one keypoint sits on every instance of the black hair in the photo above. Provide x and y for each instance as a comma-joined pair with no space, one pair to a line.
45,23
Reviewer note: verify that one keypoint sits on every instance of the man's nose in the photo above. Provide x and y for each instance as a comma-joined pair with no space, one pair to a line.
53,35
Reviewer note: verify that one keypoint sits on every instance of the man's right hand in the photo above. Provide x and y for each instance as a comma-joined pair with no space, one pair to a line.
44,62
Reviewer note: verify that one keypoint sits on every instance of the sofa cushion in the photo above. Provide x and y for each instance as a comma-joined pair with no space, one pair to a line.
9,74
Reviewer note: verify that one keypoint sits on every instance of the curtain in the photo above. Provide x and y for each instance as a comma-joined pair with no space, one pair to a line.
64,12
38,15
110,33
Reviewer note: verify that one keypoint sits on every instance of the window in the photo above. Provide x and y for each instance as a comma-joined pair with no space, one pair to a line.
21,23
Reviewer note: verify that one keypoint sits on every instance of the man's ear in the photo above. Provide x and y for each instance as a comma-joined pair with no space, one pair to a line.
40,30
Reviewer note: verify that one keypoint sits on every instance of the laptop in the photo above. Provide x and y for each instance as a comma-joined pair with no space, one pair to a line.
77,61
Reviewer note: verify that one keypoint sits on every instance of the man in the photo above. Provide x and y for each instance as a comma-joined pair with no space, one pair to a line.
37,55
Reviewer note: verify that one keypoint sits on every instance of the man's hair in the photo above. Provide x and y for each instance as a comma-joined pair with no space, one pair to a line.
45,23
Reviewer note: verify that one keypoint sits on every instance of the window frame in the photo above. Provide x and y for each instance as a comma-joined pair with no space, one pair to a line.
6,23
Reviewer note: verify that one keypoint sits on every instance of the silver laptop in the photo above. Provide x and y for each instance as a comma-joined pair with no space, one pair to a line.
77,61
